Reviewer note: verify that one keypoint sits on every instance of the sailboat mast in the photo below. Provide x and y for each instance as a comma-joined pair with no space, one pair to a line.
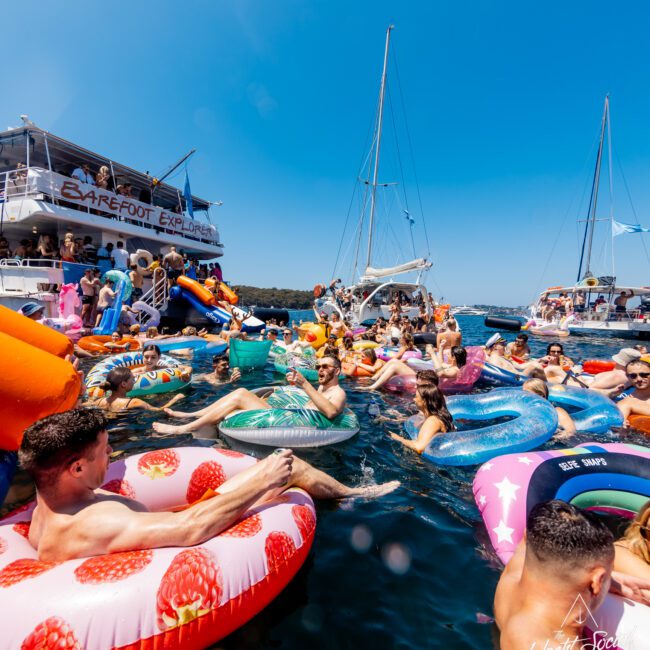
591,223
380,115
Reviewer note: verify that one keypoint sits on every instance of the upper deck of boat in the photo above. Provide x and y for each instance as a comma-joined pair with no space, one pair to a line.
37,190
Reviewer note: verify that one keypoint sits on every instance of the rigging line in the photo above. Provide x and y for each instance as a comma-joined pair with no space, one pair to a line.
629,196
566,215
397,149
410,143
408,218
364,159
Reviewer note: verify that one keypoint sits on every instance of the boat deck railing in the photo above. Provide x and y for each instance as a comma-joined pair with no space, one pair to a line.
47,186
29,276
608,314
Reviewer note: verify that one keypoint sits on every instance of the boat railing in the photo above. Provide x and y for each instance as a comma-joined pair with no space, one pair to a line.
29,276
51,187
157,297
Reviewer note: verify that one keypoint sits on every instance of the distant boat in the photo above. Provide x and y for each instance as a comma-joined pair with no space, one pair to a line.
468,311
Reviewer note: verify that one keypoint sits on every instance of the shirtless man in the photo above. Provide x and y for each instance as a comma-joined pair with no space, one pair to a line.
88,296
68,455
638,402
621,303
173,264
136,276
337,326
558,576
290,345
451,335
519,348
329,399
222,374
496,350
106,298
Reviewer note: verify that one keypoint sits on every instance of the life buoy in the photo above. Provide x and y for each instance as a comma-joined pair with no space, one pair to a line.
319,290
440,312
162,598
33,384
640,423
142,255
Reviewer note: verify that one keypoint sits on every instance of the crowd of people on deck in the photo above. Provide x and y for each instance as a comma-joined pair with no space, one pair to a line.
553,307
68,453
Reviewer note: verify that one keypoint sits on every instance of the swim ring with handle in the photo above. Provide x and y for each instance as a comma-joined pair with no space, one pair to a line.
161,598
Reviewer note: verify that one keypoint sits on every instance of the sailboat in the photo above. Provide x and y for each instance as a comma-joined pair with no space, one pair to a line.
371,294
594,310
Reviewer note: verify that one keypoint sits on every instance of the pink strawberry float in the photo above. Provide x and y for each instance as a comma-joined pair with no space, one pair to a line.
162,598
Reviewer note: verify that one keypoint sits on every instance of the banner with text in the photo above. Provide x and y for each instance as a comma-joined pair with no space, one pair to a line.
70,189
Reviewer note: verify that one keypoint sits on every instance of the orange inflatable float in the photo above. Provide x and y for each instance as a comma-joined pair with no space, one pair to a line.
596,366
640,423
97,344
224,292
440,312
27,330
33,384
362,370
196,288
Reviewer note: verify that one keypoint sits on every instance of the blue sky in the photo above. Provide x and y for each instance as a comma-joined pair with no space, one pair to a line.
503,101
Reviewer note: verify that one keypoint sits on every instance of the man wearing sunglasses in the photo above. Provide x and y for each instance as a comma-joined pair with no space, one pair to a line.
638,402
612,382
329,399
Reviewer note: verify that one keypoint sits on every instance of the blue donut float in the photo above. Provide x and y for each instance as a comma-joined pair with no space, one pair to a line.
535,421
492,375
596,414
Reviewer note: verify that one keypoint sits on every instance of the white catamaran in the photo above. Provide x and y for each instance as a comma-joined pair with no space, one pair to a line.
600,305
372,291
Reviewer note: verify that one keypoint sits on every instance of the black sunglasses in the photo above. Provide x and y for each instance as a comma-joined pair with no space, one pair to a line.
636,375
323,365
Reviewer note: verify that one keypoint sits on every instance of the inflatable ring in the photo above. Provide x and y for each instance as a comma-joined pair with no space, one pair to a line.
610,478
319,290
365,345
288,423
117,277
362,368
166,597
464,381
209,343
96,343
535,424
142,255
596,414
168,378
388,353
640,423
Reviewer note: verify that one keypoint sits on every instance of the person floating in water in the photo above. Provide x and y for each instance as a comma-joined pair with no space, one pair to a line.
68,455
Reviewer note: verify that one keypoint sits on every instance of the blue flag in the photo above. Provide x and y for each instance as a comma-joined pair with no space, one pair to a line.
187,193
619,228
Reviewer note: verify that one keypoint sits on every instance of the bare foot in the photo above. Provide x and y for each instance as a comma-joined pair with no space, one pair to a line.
374,491
177,414
168,428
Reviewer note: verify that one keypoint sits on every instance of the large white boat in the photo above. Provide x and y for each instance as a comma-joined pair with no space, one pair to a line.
468,311
598,304
39,196
372,291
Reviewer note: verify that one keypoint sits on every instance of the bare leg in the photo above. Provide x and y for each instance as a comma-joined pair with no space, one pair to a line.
240,399
394,367
318,484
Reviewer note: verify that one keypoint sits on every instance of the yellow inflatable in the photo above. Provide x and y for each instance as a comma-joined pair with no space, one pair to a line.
313,333
364,345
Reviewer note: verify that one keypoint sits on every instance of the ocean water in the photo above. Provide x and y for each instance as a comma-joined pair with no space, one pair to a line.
410,570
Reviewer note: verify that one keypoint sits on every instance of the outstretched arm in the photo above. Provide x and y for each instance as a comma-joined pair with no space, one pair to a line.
112,527
428,431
